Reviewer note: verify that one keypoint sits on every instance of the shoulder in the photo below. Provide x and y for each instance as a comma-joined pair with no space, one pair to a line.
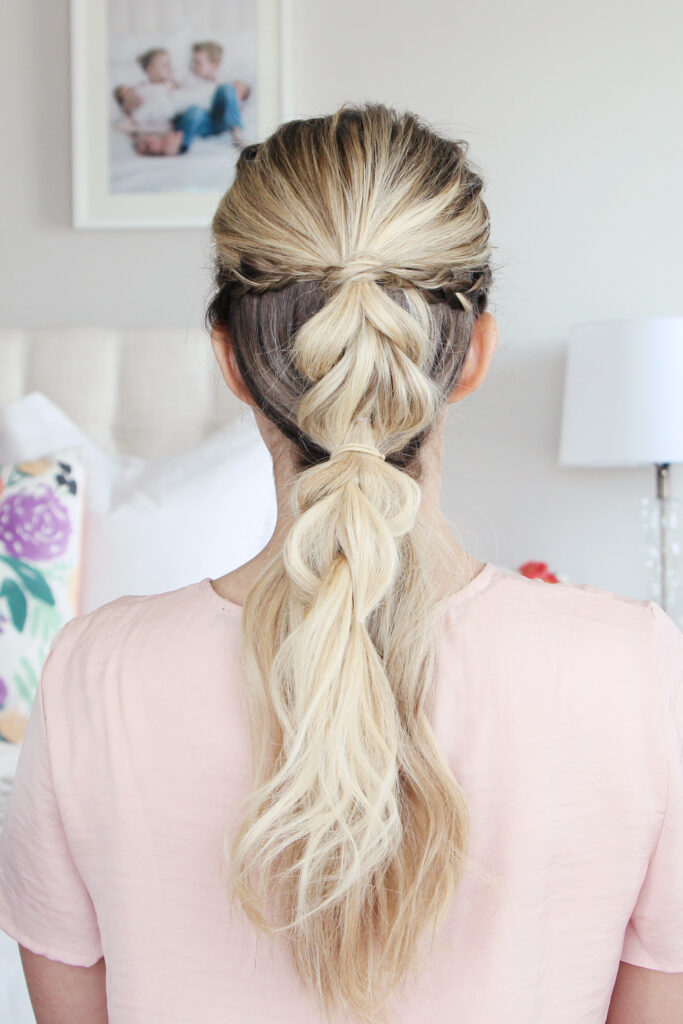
616,660
599,634
126,615
580,631
575,608
96,646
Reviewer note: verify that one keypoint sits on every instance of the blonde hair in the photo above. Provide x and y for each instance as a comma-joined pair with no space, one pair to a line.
352,258
214,51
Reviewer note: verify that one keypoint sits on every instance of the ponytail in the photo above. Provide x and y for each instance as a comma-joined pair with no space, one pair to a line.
354,838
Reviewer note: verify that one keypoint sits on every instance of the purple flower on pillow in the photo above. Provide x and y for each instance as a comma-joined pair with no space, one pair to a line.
34,524
3,692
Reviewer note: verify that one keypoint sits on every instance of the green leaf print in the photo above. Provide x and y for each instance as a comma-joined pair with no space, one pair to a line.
16,601
32,578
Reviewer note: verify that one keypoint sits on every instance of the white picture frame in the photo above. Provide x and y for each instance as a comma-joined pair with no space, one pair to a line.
94,203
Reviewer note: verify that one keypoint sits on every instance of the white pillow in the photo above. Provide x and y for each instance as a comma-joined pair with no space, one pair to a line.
153,525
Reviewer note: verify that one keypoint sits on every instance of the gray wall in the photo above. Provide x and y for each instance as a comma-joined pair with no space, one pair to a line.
573,114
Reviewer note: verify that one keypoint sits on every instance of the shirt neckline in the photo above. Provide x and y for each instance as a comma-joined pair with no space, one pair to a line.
473,586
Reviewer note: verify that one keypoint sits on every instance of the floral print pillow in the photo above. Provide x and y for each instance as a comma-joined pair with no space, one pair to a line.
41,528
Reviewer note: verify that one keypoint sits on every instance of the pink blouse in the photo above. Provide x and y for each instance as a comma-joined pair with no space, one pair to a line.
559,709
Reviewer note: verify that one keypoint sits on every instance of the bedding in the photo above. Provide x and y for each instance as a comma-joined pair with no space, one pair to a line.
41,529
153,525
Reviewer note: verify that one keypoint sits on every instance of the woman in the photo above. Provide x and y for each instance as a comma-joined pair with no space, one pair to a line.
437,790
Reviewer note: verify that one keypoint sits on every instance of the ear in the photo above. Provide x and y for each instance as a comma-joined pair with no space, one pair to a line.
221,342
479,356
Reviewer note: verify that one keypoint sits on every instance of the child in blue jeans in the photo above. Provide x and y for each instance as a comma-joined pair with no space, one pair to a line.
205,106
223,114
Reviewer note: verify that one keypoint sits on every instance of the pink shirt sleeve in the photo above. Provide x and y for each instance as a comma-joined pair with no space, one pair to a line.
654,934
44,904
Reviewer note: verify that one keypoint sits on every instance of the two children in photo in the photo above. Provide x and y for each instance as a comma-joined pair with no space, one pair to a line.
164,116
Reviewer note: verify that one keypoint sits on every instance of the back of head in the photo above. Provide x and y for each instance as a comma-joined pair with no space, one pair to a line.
352,258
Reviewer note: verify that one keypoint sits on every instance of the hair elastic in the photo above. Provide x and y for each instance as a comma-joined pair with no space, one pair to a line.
352,446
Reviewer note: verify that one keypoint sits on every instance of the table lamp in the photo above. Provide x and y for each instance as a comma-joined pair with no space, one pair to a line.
623,406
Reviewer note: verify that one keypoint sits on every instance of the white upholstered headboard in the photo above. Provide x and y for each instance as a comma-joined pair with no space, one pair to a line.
148,392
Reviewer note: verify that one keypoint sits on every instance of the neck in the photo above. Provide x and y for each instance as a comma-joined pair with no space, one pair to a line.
235,585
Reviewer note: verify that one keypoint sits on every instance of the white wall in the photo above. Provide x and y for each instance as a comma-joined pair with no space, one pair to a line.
573,114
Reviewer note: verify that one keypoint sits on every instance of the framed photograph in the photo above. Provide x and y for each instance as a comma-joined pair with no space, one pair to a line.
165,95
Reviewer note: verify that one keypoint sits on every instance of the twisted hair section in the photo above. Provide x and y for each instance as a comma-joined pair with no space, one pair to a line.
352,258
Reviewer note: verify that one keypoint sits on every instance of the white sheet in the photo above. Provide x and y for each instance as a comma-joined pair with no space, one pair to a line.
208,164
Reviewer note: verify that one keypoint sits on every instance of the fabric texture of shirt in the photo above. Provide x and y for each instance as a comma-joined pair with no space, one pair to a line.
558,708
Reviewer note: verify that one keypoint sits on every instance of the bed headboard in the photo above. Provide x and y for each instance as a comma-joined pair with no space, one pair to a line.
148,392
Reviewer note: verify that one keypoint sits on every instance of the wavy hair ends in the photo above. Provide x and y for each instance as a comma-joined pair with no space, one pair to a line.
352,258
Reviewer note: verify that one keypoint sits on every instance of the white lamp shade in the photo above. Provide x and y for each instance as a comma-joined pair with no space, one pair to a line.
623,393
